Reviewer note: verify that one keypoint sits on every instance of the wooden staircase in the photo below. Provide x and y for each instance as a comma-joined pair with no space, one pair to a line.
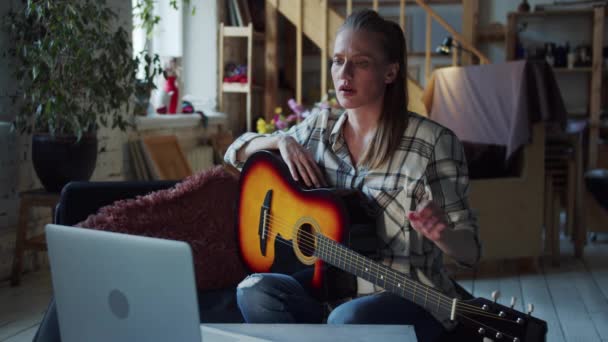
319,22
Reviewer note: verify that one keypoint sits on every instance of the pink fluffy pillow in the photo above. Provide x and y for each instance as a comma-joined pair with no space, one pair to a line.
199,210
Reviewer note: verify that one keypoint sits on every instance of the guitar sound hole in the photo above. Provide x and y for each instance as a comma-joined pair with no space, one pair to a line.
306,240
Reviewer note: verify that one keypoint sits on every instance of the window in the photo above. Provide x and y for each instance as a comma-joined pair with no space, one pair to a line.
189,36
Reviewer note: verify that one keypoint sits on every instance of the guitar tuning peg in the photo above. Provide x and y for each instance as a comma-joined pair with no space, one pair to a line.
513,300
495,295
530,308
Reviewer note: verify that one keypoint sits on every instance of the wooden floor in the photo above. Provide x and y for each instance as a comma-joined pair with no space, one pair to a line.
573,298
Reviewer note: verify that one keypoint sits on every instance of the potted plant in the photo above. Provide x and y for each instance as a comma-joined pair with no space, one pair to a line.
74,72
144,84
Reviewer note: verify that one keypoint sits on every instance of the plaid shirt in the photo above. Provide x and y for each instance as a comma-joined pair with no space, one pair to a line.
429,164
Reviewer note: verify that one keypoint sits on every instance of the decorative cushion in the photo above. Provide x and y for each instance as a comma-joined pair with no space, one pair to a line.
199,210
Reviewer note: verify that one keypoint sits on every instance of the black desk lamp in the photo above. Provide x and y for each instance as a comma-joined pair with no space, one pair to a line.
448,44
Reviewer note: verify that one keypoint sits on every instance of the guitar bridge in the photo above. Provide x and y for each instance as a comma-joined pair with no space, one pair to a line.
264,218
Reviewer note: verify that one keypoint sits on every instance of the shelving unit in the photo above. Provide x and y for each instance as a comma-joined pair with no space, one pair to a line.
251,36
596,16
590,216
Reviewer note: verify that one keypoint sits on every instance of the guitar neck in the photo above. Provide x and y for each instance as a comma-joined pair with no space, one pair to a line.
383,276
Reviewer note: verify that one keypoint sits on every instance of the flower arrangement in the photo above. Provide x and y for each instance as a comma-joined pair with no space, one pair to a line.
280,122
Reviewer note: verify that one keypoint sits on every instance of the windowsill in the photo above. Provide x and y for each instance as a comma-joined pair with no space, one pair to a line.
178,120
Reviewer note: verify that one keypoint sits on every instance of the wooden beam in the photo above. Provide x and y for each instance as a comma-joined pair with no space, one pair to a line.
470,21
455,35
299,42
493,32
402,16
349,7
388,3
271,83
511,36
290,55
324,48
595,105
220,81
427,58
250,64
375,5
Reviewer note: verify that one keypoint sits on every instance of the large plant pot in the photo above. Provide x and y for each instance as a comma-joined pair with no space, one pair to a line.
60,159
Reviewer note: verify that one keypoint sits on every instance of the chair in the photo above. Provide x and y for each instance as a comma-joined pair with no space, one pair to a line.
510,210
511,113
595,215
597,184
563,186
27,201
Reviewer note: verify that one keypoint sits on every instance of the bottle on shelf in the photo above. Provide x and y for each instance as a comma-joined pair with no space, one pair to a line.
549,56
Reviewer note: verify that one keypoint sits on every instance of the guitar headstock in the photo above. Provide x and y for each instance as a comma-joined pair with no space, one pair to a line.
499,322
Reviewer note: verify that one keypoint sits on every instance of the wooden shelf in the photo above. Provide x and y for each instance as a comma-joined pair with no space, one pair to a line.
423,54
572,70
242,32
234,87
250,36
554,13
596,17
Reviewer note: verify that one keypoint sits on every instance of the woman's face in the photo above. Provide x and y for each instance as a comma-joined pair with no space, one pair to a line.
359,69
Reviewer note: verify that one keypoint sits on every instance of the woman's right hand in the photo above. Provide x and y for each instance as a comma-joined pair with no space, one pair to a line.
300,162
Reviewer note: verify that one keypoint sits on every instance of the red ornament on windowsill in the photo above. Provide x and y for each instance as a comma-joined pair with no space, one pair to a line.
171,90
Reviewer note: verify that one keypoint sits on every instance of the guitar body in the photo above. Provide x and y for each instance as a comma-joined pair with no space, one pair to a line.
273,208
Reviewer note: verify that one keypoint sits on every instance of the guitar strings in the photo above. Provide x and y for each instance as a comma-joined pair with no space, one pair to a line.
310,244
443,304
446,301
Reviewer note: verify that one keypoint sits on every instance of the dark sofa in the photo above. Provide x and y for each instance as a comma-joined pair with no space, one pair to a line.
81,199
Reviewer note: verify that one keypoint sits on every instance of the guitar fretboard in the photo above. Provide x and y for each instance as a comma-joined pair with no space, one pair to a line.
381,275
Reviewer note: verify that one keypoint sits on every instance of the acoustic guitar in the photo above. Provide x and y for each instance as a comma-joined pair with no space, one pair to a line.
279,220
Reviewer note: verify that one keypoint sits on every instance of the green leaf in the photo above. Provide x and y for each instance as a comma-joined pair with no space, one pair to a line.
48,107
34,72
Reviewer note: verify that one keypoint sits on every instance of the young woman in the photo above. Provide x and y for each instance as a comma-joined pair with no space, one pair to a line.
413,168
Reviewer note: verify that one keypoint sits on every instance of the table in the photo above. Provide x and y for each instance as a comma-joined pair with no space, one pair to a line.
307,332
28,200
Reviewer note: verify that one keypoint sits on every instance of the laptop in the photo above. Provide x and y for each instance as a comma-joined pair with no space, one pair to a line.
118,287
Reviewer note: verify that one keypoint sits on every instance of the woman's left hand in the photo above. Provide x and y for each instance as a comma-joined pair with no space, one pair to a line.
430,220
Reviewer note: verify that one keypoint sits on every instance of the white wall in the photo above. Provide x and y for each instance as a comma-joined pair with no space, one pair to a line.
200,51
168,34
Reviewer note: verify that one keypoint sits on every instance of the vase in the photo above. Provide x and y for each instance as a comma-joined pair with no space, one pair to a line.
59,160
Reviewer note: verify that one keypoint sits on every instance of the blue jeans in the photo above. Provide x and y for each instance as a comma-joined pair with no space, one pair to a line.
279,298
